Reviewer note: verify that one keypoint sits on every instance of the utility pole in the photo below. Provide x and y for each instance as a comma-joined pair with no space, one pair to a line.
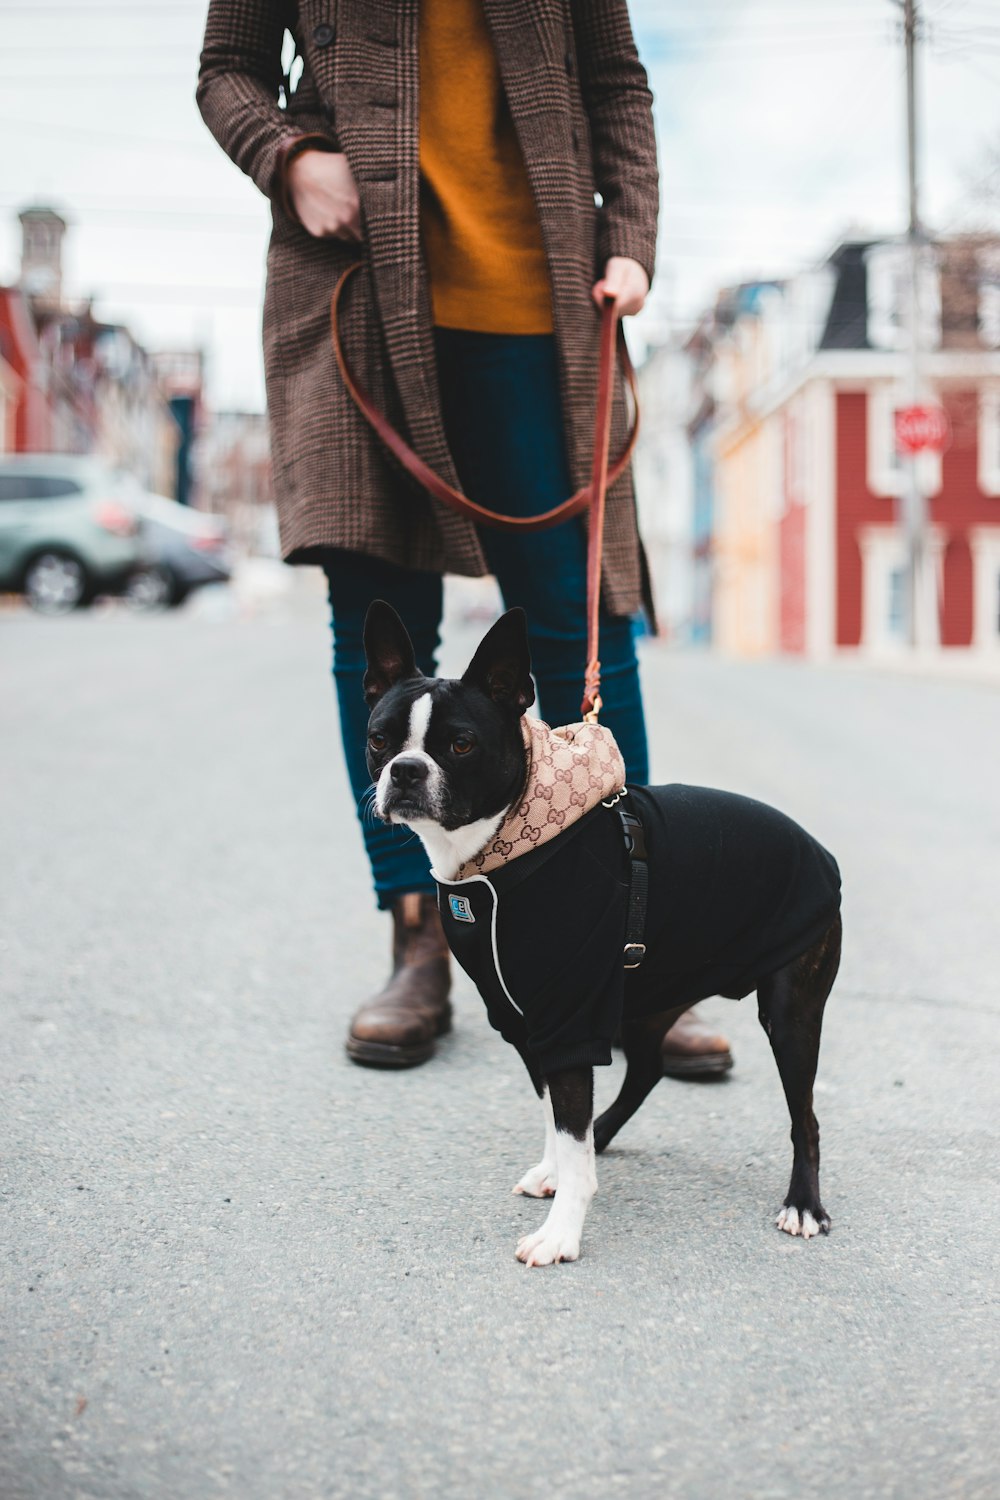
920,594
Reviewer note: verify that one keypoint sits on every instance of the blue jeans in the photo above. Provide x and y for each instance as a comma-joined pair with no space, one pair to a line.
501,407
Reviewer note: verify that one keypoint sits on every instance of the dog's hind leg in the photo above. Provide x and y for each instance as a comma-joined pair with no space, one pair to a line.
572,1093
790,1008
641,1041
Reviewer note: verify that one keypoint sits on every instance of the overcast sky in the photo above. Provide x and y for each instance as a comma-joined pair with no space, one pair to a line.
780,125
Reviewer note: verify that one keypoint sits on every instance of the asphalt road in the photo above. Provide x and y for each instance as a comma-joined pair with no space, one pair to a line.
236,1265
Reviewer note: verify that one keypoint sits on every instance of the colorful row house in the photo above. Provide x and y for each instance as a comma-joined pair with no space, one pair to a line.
71,383
795,535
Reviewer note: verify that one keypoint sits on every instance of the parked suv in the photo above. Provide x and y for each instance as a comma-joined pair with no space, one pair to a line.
66,531
72,528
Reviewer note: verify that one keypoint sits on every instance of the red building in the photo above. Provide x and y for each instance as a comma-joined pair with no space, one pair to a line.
809,480
28,423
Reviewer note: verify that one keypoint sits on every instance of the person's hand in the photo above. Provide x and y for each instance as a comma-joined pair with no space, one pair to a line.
325,195
624,279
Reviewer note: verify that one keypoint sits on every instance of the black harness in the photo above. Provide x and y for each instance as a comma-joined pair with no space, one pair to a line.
638,891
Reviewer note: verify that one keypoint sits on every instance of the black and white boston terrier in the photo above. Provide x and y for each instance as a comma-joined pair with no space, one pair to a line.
585,909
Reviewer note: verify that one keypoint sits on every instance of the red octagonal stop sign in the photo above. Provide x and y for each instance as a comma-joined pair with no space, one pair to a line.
921,427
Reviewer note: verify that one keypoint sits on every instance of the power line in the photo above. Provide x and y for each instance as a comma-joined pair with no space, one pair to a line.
101,49
192,213
87,78
141,293
127,141
106,7
200,221
763,30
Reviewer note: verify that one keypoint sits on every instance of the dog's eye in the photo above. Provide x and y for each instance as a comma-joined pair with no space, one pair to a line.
377,741
462,744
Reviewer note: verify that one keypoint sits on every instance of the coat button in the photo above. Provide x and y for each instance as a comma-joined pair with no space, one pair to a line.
576,139
569,63
323,35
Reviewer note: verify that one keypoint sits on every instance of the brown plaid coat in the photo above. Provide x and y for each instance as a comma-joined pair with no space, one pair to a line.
581,108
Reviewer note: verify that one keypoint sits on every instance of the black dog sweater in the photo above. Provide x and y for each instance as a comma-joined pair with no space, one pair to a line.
736,891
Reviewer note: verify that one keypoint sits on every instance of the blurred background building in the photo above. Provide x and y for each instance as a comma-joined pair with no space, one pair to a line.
768,473
769,478
73,384
234,478
775,429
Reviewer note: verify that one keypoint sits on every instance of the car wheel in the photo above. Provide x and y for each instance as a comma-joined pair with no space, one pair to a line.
150,588
55,583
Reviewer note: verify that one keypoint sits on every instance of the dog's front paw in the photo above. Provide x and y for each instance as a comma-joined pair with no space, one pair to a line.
540,1182
548,1245
803,1221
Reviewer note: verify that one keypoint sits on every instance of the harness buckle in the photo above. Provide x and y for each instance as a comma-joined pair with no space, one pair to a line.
635,951
635,835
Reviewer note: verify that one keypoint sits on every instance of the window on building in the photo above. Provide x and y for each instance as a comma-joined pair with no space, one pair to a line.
888,298
885,581
989,439
989,296
896,620
989,314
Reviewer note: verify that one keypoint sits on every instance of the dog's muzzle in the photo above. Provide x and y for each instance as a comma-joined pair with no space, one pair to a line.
407,788
407,772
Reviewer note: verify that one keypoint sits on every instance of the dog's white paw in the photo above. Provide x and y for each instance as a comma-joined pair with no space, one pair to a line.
540,1182
794,1222
547,1246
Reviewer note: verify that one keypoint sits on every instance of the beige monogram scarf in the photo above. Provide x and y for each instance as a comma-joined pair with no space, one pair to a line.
570,770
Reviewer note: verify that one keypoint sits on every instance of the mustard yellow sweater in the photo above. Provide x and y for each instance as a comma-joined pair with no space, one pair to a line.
480,228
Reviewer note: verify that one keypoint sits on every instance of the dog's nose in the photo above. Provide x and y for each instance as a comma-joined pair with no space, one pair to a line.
407,771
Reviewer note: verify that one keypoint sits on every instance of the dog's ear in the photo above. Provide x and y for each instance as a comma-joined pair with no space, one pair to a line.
501,668
388,651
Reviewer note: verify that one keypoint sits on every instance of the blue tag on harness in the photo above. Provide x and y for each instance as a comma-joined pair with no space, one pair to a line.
460,908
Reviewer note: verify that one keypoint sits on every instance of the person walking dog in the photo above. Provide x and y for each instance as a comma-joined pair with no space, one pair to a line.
494,164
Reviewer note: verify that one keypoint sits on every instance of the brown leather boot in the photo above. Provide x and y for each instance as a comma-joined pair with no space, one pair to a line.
693,1050
397,1027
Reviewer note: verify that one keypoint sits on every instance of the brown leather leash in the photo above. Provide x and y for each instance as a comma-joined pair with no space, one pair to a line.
591,496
